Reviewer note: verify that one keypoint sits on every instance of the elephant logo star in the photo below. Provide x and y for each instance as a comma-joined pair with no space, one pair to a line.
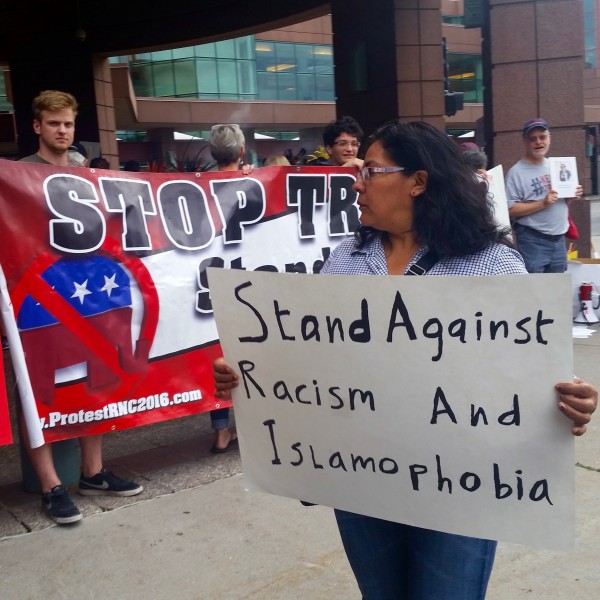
81,291
109,284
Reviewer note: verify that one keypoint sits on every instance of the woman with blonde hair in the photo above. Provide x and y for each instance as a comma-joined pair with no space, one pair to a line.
276,160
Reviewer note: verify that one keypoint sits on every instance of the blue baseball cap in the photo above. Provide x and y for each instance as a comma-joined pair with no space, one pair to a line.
533,123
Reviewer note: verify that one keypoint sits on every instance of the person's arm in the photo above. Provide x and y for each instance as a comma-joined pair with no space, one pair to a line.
354,162
522,209
225,378
577,400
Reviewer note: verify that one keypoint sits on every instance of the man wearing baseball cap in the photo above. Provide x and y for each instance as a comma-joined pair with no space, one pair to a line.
539,216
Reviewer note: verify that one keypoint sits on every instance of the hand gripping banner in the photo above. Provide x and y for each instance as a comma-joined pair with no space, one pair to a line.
105,298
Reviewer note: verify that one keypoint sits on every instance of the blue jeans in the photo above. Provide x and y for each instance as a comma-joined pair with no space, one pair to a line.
392,561
219,419
541,255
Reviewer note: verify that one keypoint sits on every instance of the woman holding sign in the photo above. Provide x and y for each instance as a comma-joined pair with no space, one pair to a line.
422,212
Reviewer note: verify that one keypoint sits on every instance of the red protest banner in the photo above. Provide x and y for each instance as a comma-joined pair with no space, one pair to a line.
5,433
106,273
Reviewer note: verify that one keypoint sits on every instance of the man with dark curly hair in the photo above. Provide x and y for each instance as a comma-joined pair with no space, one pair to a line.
341,139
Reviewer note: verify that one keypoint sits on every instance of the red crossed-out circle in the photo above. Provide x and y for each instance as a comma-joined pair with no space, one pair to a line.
104,349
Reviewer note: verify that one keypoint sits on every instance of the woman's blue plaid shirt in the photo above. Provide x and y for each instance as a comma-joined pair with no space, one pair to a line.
348,259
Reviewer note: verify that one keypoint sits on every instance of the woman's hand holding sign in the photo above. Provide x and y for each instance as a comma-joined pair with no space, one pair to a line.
577,401
225,379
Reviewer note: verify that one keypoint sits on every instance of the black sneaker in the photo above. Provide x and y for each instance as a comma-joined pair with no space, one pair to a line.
106,483
59,507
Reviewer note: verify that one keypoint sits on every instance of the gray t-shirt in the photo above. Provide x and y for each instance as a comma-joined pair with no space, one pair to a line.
36,158
527,182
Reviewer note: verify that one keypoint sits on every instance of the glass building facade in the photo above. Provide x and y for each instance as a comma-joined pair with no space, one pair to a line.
250,69
239,69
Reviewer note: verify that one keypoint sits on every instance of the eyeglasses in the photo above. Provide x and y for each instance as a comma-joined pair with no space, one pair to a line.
366,172
345,143
538,138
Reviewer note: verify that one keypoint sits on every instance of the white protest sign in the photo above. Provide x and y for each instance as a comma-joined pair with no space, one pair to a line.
497,192
424,400
563,175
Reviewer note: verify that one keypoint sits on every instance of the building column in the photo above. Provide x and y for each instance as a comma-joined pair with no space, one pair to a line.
388,61
537,71
105,110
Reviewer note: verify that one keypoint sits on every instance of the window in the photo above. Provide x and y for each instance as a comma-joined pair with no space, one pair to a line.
453,20
164,80
143,81
286,57
183,52
162,55
306,86
185,78
289,71
246,78
267,86
325,88
243,48
286,86
305,58
205,50
208,84
465,74
225,49
280,135
227,77
323,59
265,55
131,136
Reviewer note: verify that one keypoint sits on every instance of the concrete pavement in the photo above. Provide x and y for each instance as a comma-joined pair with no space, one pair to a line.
210,542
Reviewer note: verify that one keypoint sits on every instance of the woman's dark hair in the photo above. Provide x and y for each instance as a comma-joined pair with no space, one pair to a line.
453,216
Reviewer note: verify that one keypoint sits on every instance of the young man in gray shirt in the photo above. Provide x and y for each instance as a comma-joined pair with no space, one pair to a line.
54,114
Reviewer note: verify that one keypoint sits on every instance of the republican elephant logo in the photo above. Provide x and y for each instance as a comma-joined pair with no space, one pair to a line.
99,289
